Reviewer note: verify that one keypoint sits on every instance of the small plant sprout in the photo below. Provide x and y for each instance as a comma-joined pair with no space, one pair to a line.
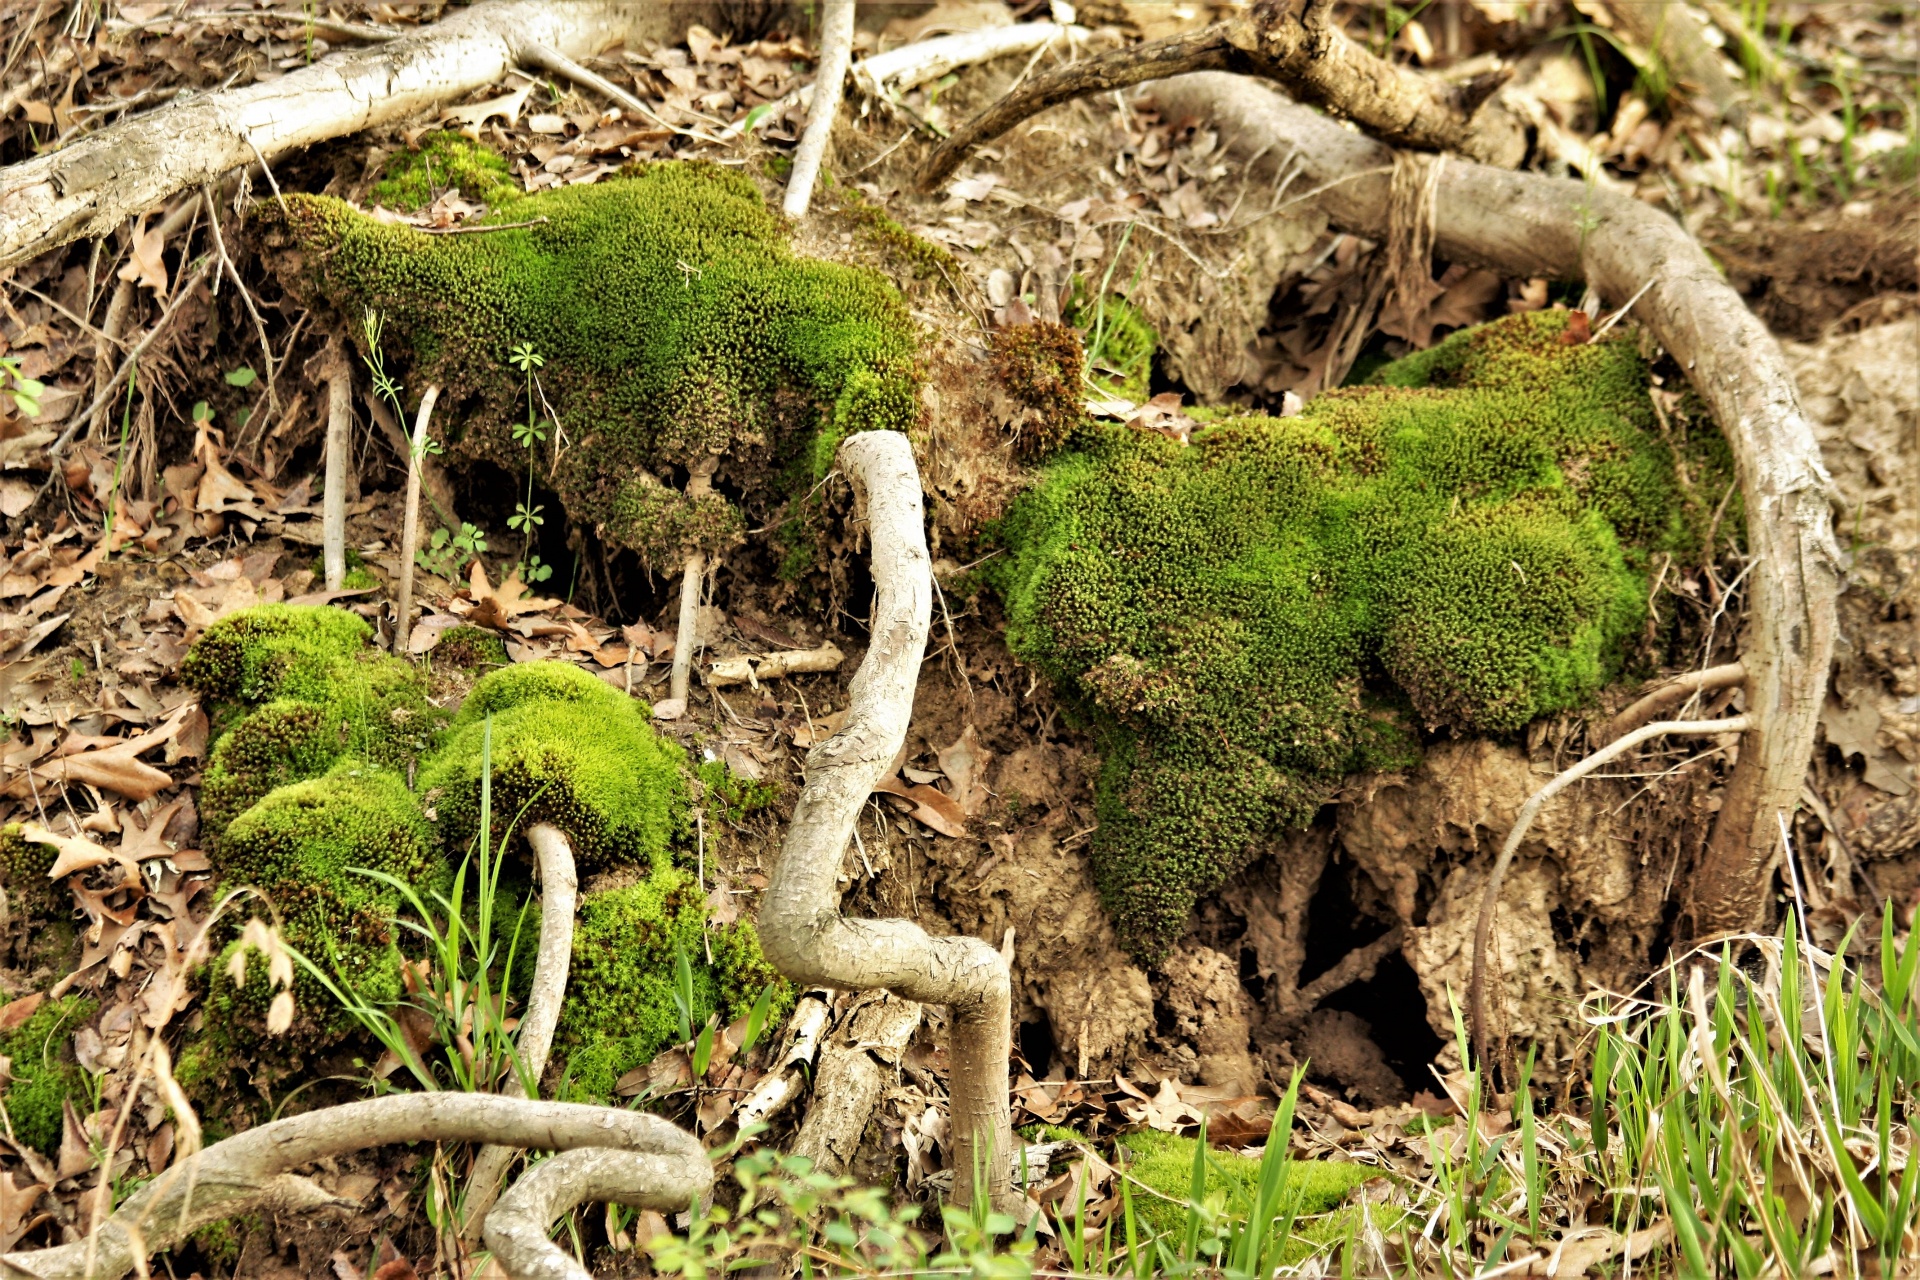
25,391
529,435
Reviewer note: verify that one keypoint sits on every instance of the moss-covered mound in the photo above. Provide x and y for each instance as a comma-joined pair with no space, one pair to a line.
621,1009
1248,619
568,749
443,161
43,1071
294,689
308,846
675,324
1164,1162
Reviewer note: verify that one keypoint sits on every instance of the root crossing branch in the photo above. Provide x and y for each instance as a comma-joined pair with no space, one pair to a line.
801,927
1483,927
1664,697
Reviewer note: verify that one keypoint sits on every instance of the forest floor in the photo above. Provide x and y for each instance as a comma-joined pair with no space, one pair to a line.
194,493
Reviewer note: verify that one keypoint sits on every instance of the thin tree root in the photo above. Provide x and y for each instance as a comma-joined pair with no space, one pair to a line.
517,1228
1669,694
1303,48
785,1082
410,531
559,892
1483,927
829,83
801,927
248,1172
338,371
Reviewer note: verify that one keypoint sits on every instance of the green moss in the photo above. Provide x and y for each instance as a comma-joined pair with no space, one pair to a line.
674,320
620,1009
927,260
44,1073
470,647
357,577
1041,366
567,749
23,867
1164,1162
412,179
306,846
273,650
1246,621
732,796
1119,342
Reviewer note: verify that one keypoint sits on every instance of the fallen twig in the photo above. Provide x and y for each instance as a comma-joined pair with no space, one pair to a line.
783,1083
829,84
410,531
752,668
1483,928
338,372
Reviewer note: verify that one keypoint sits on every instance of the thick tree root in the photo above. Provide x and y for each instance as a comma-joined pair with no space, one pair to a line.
801,927
1523,822
559,891
856,1064
1300,45
829,83
1526,225
518,1226
248,1172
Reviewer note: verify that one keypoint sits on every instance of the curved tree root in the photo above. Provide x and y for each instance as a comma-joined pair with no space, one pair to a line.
517,1227
559,891
248,1172
1526,225
829,83
1483,926
801,927
1299,44
1664,697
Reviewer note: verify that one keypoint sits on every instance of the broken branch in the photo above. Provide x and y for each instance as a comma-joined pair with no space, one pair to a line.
801,927
410,531
333,496
1483,927
752,668
781,1085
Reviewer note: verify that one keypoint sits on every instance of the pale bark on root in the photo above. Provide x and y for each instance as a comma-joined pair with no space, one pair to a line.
785,1081
517,1228
410,531
857,1063
752,668
1526,225
559,893
1523,822
1299,45
1668,695
249,1172
338,372
801,927
92,186
829,83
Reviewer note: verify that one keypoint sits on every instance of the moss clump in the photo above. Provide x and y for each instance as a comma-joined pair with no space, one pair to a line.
620,1008
273,650
470,647
357,577
411,180
928,261
44,1073
1041,365
1164,1162
675,322
567,749
732,796
1243,620
1119,341
306,846
24,865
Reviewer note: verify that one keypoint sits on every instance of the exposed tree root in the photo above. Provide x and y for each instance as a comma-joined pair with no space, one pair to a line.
856,1064
248,1172
801,927
781,1085
410,531
338,373
1664,697
1358,965
518,1227
829,83
1299,44
1489,899
1525,225
559,889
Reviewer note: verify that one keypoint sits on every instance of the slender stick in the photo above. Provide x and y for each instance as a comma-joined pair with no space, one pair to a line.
1671,693
333,497
410,532
559,891
692,578
829,82
1483,928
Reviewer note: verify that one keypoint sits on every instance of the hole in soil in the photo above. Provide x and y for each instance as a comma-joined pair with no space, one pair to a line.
1391,1001
1037,1047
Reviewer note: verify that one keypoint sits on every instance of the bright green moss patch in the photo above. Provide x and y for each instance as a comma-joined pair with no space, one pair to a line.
305,846
470,647
24,865
44,1073
620,1008
1164,1162
1119,342
273,650
414,178
732,796
1247,620
674,320
567,749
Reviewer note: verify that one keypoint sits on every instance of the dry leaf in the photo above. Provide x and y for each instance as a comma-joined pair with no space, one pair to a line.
933,807
77,853
506,106
16,1209
497,606
965,762
15,1012
146,264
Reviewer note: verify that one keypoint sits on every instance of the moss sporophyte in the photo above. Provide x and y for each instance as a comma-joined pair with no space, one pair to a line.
1245,621
672,323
